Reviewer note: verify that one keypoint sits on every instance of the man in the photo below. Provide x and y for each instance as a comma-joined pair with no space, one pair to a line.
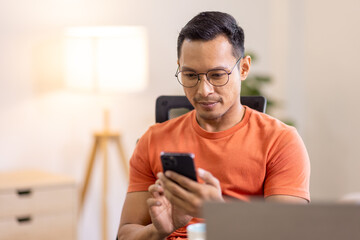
239,152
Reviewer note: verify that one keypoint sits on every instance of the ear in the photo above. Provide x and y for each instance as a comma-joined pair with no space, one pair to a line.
245,67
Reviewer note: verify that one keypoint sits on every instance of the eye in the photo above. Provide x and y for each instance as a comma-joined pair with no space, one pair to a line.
189,75
217,74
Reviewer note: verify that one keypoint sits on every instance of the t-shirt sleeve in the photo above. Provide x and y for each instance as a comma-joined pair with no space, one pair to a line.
141,174
288,167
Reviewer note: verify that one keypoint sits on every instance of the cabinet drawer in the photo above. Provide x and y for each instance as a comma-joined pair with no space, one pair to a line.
37,201
39,227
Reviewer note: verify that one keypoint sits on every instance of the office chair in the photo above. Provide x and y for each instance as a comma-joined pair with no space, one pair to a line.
164,104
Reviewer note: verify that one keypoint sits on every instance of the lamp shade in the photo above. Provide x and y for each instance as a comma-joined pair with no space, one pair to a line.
106,58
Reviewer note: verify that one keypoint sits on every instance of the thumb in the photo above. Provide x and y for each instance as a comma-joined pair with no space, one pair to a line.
208,178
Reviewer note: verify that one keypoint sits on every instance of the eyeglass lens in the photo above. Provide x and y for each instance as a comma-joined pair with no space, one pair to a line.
215,77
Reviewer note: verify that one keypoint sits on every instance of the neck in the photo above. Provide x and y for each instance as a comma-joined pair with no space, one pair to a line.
224,122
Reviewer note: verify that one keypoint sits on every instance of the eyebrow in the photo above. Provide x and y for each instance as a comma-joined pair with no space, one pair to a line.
185,68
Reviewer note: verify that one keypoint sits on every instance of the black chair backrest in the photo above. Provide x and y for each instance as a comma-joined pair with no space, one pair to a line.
165,103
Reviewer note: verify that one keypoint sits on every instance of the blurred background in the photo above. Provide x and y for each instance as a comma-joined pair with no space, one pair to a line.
310,50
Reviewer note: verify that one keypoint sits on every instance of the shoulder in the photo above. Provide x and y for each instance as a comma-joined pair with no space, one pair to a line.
165,130
267,122
175,124
269,127
161,135
281,139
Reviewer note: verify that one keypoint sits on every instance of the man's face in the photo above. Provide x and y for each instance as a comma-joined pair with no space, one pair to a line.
213,103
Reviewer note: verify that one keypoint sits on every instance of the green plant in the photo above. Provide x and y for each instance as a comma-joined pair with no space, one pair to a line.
254,85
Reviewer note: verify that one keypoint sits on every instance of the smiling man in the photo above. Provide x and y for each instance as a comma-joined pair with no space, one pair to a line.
240,153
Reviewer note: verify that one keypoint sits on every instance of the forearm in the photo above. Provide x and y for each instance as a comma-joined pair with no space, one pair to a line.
139,232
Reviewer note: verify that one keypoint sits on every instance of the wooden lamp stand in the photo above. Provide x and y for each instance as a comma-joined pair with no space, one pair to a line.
101,140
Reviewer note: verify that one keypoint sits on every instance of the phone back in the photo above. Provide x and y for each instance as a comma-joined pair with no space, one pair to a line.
182,163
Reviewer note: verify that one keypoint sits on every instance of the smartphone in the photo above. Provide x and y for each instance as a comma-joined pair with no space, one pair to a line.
182,163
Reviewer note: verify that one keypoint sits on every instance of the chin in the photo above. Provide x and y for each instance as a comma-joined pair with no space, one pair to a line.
209,115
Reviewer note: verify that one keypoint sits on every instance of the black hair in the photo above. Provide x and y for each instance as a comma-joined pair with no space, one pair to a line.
208,25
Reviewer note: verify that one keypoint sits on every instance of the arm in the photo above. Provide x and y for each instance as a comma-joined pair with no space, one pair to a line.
135,220
286,199
288,170
191,195
149,215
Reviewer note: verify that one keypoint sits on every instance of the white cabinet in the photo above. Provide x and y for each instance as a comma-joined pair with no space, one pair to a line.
37,205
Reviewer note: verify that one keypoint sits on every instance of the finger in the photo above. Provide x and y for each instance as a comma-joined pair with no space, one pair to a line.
176,190
173,188
190,207
151,202
156,190
183,181
158,182
208,178
160,175
177,201
164,180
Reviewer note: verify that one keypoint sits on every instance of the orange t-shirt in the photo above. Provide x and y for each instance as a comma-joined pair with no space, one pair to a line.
260,156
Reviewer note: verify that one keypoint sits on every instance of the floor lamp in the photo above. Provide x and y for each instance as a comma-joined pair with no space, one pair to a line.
105,59
101,141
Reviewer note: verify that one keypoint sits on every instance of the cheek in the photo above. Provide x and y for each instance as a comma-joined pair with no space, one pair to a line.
237,81
189,93
230,91
236,88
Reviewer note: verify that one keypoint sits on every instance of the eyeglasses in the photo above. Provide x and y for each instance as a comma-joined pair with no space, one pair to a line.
216,77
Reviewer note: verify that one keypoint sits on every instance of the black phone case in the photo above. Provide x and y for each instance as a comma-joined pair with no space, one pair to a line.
182,163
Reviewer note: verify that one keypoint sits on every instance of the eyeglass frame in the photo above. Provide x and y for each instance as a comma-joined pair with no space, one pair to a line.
198,75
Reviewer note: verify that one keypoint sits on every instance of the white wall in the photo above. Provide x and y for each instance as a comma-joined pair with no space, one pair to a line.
45,126
309,47
315,49
332,74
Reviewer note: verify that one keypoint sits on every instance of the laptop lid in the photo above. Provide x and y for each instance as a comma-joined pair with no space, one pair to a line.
260,220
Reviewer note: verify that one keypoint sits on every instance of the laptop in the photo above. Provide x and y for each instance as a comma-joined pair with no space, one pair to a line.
261,220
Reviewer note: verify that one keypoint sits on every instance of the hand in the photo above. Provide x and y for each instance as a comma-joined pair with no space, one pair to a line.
189,195
165,217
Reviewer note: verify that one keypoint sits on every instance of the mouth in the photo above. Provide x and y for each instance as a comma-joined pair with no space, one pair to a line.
208,105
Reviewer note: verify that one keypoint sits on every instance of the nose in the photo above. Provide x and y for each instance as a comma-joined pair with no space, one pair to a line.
204,87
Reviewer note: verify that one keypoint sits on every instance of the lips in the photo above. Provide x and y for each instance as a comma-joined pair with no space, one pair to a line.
208,105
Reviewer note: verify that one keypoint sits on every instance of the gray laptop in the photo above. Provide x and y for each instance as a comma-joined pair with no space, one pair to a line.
260,220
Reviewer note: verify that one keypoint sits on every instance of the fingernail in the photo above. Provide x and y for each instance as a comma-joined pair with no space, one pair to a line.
167,173
158,174
201,172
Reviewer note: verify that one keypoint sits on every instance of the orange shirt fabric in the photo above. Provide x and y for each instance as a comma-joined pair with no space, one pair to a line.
258,157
